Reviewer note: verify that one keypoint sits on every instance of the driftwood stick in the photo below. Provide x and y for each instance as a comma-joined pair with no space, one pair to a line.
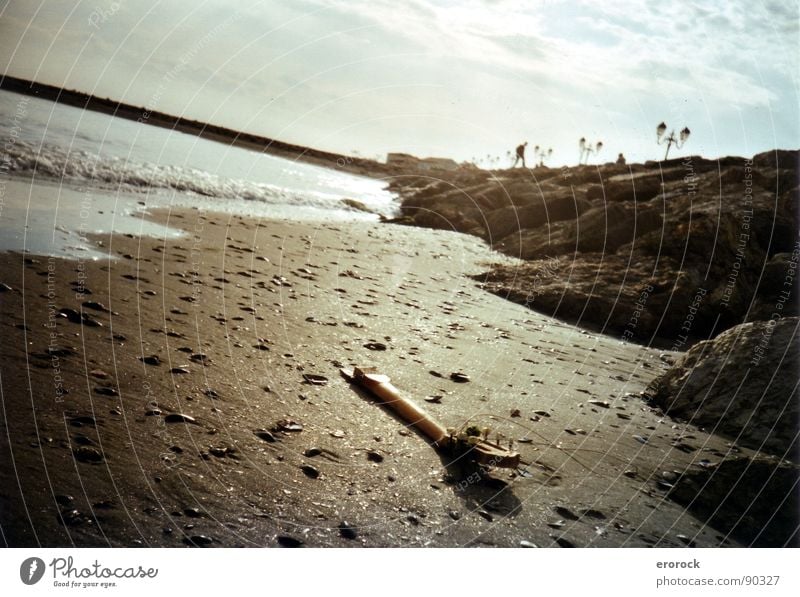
482,451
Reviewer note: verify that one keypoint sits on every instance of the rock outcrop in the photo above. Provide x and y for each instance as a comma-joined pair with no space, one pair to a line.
742,384
681,249
754,500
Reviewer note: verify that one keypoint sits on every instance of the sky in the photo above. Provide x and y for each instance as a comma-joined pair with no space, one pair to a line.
464,80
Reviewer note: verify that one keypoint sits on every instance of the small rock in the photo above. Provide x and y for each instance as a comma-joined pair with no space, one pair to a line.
375,346
600,403
288,541
374,456
315,380
179,418
347,531
179,370
88,454
96,306
528,544
566,513
687,540
198,540
193,512
106,391
71,518
311,452
288,425
459,377
310,471
434,399
563,542
265,435
151,360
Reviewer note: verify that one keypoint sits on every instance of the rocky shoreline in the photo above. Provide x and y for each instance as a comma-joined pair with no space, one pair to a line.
688,254
678,250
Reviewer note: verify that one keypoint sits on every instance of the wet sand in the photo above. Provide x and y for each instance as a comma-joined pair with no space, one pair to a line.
220,441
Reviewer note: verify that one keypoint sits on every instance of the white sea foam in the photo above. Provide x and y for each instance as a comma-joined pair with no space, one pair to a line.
115,173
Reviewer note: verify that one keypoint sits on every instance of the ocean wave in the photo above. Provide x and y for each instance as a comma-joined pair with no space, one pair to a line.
81,167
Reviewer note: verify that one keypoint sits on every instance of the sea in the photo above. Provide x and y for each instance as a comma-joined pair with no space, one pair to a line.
66,173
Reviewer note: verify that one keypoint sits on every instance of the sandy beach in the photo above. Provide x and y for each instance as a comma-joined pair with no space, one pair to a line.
159,398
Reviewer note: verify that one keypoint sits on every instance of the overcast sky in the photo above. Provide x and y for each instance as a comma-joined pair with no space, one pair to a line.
457,79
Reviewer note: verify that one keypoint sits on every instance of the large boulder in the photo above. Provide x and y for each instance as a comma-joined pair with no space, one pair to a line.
742,384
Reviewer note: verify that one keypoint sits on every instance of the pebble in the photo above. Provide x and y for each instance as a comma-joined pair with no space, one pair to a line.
600,403
687,540
347,531
311,452
310,471
288,541
374,456
375,346
179,418
640,439
179,370
71,517
64,500
151,360
459,377
315,380
529,544
562,542
96,306
199,540
193,512
106,391
88,454
265,435
566,513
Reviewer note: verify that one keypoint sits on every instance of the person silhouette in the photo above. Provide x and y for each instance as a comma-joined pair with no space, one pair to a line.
520,155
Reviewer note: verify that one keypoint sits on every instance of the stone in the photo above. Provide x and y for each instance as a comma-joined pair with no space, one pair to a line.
180,418
88,454
347,531
742,383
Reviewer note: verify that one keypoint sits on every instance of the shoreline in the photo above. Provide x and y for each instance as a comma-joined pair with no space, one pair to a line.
219,134
237,312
